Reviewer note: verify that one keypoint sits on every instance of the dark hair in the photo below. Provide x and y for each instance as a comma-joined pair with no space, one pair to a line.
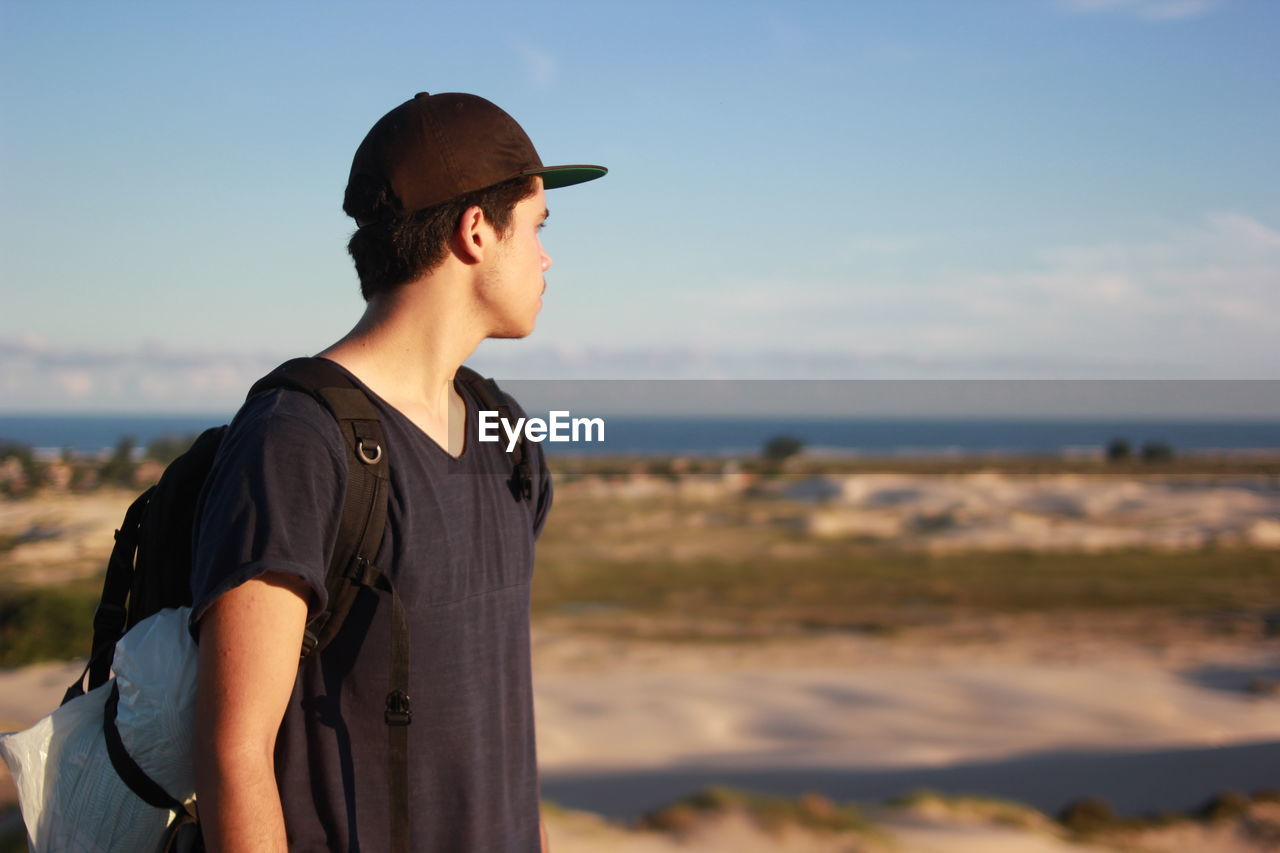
391,250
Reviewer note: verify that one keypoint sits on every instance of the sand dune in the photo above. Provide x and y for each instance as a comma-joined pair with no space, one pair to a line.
664,721
990,511
870,708
61,536
1036,710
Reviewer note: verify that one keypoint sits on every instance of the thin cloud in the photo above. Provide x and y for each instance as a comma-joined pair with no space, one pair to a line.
1147,10
48,378
1200,301
540,68
1205,295
39,376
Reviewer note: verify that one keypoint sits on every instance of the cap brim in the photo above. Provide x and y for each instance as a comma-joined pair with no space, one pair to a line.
554,177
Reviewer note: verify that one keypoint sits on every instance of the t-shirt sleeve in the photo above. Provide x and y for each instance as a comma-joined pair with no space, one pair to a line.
272,501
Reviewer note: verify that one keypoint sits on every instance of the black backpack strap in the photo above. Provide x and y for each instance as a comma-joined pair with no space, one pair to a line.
493,400
110,617
128,770
360,530
364,509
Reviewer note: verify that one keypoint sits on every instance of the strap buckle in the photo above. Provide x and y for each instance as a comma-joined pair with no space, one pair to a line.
399,712
362,571
524,476
309,641
366,456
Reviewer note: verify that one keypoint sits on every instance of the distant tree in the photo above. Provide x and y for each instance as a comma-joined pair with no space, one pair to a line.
24,453
19,470
167,448
1119,449
780,448
118,469
1156,451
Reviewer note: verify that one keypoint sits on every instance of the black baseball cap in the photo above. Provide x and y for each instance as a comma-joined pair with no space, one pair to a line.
433,148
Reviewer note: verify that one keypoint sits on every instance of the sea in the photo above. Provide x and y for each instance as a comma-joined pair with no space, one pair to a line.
94,434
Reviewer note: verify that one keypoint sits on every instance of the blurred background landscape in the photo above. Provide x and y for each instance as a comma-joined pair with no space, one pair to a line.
804,650
996,567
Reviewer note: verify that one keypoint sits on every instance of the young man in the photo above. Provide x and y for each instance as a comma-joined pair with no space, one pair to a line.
449,195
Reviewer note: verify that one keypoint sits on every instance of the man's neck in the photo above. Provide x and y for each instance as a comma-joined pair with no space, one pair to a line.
407,348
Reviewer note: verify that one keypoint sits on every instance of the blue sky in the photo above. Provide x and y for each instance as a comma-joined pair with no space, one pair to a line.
910,189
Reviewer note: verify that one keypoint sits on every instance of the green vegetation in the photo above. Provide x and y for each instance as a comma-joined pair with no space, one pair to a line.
24,453
168,448
1119,449
46,623
1153,452
842,586
19,469
1089,816
1118,459
992,809
778,450
119,467
1089,819
774,814
1229,805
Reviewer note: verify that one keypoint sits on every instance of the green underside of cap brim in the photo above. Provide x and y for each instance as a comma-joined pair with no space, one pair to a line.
554,177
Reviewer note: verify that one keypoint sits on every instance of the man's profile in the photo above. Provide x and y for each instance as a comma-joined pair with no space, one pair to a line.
448,194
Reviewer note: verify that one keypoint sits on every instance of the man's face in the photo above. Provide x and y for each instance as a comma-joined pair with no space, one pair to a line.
513,289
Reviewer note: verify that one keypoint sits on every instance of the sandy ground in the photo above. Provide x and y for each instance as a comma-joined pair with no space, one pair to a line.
578,833
1038,711
58,537
826,717
990,511
841,714
625,727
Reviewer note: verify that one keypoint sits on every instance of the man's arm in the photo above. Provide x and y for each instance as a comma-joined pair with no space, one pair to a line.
250,640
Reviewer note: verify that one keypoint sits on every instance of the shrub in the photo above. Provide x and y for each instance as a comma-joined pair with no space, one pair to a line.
1228,805
1088,815
1119,449
45,623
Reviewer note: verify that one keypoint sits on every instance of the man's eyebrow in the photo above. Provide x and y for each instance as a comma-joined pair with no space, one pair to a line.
546,214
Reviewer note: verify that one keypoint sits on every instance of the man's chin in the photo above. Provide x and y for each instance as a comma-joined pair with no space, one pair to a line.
511,334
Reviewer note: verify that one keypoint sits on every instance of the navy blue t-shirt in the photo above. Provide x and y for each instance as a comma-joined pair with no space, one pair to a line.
459,547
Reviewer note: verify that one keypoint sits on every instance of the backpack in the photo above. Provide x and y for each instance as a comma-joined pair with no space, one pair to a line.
150,564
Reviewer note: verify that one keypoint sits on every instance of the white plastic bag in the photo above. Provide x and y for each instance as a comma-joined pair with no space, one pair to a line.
70,795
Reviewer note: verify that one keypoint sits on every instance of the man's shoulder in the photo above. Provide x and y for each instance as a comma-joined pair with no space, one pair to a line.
283,408
286,420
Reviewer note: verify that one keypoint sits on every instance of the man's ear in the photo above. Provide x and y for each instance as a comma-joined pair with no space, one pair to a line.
473,236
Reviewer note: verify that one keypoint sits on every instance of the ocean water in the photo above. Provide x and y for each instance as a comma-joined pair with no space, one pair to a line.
660,435
96,433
